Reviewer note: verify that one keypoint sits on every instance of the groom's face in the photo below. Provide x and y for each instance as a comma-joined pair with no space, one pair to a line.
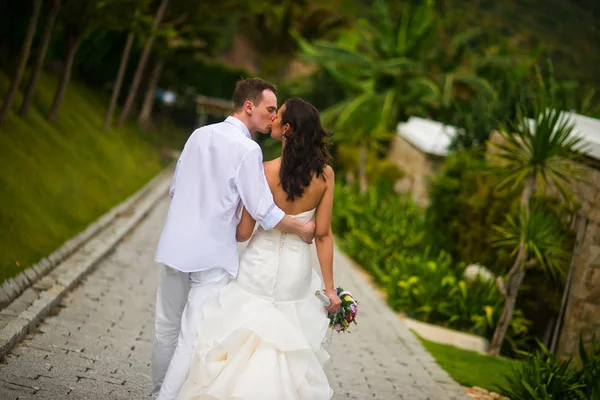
265,112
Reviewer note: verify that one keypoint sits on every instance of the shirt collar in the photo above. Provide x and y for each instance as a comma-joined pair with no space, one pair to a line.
234,121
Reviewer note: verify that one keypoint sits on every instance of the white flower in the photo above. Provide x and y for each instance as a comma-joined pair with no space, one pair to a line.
477,272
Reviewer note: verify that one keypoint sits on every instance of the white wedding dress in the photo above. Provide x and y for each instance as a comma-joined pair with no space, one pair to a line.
261,337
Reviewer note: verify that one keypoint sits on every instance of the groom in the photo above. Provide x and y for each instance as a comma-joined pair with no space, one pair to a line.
219,169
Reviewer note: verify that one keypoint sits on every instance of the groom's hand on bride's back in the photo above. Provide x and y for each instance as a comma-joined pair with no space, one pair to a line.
307,231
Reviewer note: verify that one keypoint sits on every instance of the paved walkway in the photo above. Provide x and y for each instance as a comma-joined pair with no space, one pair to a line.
97,344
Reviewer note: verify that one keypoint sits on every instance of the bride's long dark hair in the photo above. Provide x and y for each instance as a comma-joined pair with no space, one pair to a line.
306,151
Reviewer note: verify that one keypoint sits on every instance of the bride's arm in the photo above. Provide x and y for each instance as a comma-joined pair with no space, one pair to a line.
324,240
245,227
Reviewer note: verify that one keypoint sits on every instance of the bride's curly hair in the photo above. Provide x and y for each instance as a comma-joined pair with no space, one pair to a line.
307,145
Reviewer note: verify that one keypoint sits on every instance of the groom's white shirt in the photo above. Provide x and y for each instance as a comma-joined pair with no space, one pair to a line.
220,168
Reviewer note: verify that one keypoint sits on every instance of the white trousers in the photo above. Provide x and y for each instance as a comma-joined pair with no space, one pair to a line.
180,299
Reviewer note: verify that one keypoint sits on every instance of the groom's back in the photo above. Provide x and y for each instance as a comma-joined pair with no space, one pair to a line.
200,226
214,153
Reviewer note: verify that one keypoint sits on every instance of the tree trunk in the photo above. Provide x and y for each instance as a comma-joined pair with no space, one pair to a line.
528,187
145,117
362,169
120,75
513,283
39,61
137,78
73,43
515,275
14,85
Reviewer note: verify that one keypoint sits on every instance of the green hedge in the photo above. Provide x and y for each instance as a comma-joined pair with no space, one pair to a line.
385,233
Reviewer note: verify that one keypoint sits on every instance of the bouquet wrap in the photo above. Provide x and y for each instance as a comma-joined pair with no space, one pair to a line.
341,320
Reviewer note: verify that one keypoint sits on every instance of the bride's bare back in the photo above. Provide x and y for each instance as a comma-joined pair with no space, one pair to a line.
313,193
305,157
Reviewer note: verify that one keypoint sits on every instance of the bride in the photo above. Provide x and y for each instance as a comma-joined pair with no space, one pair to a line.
261,337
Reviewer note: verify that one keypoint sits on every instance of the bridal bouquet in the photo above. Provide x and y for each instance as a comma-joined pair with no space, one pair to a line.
341,320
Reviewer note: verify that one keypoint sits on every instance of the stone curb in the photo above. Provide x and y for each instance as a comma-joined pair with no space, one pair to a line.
77,257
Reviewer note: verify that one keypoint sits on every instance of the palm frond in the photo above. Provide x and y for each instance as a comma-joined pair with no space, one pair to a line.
462,39
480,84
542,235
545,146
402,36
387,112
448,89
329,115
352,107
397,65
341,55
386,27
427,87
422,23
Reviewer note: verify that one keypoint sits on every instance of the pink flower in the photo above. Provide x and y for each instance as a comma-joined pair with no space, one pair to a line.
337,327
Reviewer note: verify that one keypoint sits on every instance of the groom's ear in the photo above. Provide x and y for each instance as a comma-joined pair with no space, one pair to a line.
248,107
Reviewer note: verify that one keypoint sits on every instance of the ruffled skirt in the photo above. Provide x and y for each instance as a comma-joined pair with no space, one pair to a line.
254,348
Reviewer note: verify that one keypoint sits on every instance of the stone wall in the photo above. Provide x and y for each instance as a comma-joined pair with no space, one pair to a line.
582,314
418,167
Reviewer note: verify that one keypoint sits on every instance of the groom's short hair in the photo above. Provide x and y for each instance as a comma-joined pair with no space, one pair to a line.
250,89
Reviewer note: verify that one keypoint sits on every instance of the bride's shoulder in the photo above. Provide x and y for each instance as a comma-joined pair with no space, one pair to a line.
271,169
328,172
272,165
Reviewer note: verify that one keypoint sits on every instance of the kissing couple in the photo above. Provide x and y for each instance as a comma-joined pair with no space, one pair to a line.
251,327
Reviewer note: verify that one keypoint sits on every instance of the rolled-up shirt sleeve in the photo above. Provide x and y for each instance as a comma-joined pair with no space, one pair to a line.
254,191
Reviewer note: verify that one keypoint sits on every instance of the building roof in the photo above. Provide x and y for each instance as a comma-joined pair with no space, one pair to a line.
589,130
431,137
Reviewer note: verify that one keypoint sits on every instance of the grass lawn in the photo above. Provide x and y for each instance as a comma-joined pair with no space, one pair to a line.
57,178
470,368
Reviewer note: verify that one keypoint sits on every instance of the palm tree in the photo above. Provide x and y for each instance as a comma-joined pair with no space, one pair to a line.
39,61
139,72
533,154
78,20
145,116
121,73
75,33
391,69
380,70
270,28
16,81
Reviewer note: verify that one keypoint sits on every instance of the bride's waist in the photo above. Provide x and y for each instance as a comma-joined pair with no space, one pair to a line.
277,241
275,234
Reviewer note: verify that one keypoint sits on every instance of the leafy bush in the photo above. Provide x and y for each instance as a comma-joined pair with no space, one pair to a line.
519,336
433,290
374,226
589,373
385,233
544,376
464,207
